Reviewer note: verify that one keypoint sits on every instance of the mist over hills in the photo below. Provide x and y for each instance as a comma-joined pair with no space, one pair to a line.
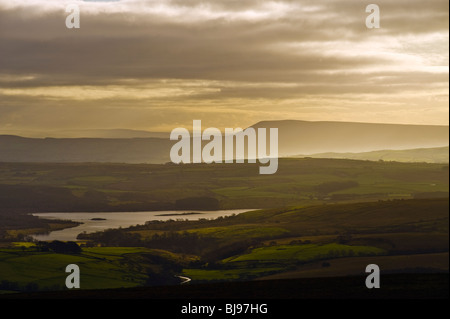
302,137
295,137
426,155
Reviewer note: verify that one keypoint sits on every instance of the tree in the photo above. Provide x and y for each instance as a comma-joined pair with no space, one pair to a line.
64,248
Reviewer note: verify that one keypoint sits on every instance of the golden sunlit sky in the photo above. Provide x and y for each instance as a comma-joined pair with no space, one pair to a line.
159,64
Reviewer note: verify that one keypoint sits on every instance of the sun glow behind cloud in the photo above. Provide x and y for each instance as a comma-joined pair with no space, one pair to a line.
230,63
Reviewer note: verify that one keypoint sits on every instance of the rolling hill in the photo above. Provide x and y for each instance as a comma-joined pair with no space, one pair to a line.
302,137
295,137
117,150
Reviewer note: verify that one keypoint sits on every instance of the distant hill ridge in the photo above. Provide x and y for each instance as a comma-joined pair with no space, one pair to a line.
303,137
295,137
426,155
92,133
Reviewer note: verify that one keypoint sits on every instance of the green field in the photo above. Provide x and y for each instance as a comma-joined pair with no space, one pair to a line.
204,275
400,235
239,232
120,187
277,259
268,242
416,263
100,267
315,217
303,253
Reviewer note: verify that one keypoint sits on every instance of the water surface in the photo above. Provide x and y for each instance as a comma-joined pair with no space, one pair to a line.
93,222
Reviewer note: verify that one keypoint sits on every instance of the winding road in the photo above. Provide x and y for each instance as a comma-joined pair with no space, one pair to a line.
184,279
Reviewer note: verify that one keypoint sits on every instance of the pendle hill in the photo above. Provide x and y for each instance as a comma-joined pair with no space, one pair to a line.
365,141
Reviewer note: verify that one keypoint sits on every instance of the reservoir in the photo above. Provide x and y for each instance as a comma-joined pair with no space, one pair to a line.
92,222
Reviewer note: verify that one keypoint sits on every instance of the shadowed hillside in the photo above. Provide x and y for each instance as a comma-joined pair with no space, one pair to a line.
295,137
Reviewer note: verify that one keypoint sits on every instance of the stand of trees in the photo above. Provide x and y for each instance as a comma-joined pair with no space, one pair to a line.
179,242
59,247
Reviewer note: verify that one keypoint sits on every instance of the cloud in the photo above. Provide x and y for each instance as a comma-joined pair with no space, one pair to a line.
221,58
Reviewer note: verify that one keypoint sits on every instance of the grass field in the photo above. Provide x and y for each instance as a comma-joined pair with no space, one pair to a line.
275,259
303,253
315,217
100,267
438,262
239,232
400,235
324,240
297,182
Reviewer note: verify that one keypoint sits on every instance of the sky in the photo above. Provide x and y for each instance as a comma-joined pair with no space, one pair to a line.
160,64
